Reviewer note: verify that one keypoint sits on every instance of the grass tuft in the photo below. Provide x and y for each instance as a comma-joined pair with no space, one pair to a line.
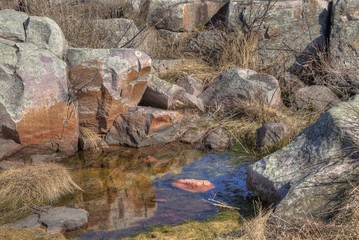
26,188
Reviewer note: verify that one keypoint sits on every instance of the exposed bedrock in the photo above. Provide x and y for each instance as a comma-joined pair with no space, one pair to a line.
106,82
311,176
33,84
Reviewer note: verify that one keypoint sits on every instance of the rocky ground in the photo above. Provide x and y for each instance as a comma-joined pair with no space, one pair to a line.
266,67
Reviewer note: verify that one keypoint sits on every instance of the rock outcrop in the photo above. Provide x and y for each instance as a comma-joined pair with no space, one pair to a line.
180,15
284,29
271,133
344,38
106,82
311,176
145,126
34,106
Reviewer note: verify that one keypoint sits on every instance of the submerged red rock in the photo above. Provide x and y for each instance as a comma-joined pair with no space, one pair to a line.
193,185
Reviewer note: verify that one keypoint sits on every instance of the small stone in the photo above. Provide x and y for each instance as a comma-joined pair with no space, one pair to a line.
270,134
217,140
193,185
59,219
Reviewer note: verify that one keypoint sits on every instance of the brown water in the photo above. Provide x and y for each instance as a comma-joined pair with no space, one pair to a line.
125,195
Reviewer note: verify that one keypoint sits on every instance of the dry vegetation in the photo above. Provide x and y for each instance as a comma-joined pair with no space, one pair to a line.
26,188
345,226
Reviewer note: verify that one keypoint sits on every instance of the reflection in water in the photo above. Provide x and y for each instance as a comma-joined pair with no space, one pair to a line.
125,194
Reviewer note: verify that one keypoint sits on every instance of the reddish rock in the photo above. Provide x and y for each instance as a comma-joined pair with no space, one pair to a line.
145,126
34,106
8,147
193,185
108,82
182,16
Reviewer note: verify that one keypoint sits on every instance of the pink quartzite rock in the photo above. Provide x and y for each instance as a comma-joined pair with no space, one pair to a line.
108,82
193,185
145,126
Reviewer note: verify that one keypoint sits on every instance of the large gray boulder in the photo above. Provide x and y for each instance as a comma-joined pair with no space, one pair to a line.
11,25
145,126
46,34
238,84
34,107
344,38
285,29
312,175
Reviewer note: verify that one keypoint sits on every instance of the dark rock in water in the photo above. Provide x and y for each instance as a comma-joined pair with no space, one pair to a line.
312,175
193,185
238,84
316,97
217,139
145,126
270,134
61,219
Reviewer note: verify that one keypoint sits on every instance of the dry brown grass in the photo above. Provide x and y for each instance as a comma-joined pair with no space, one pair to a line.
27,234
194,67
342,79
92,139
23,189
343,227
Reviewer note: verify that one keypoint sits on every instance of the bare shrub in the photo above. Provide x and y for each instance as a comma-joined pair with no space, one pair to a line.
23,189
320,69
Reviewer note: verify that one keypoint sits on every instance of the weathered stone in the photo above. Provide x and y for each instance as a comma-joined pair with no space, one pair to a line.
116,32
31,221
145,126
108,81
284,29
187,100
33,98
315,98
344,38
60,219
8,147
312,175
42,158
46,34
180,15
192,85
242,84
160,93
271,133
193,185
11,25
217,139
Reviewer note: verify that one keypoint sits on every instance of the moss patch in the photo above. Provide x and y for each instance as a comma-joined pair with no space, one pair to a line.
223,224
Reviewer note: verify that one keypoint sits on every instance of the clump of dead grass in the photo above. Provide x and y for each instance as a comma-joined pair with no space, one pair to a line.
343,226
24,189
91,139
